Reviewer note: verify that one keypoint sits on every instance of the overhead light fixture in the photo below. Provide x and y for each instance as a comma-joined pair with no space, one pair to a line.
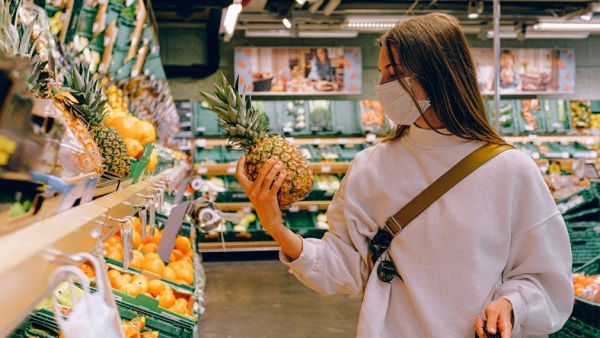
287,23
587,16
267,33
521,33
327,34
283,33
567,26
331,6
300,2
231,16
371,23
474,8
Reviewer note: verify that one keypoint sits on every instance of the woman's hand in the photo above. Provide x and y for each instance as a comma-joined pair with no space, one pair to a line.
263,195
263,192
499,319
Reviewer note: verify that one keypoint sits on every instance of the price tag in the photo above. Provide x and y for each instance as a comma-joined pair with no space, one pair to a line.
532,137
203,170
294,208
201,143
589,141
313,208
371,138
342,140
535,155
287,129
565,154
107,41
246,210
231,170
563,140
317,141
290,139
326,169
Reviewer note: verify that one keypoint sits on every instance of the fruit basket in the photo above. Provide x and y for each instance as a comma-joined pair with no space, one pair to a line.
206,123
584,320
345,118
303,223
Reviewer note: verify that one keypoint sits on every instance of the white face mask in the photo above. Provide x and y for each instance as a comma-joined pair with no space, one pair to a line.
398,104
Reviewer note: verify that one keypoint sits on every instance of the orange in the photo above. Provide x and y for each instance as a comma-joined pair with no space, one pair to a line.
166,298
178,308
186,275
114,254
127,277
157,237
112,274
88,270
136,262
131,289
141,281
183,244
149,247
176,255
151,255
113,240
175,265
134,148
156,286
137,224
154,265
125,125
118,282
169,274
152,161
136,238
145,132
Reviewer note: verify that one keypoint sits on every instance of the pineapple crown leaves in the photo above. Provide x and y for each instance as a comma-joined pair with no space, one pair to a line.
41,82
12,42
83,93
245,125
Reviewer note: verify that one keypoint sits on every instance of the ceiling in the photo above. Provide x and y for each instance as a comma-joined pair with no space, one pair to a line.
333,15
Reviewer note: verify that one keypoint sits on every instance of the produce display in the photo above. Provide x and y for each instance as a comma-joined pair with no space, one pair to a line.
587,287
247,130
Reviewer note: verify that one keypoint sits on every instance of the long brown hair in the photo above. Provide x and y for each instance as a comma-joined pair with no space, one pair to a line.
433,49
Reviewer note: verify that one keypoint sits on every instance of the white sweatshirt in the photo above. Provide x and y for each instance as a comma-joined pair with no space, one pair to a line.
497,233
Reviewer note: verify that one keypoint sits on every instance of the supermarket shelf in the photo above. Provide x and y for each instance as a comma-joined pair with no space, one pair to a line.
25,269
212,142
302,205
238,246
25,272
538,139
229,168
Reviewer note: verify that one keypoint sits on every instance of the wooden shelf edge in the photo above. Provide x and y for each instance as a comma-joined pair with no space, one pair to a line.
230,168
302,205
238,246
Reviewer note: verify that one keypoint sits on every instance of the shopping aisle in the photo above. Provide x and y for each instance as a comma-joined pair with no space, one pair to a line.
246,299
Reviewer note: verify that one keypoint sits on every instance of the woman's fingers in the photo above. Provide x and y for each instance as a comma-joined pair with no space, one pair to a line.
262,173
479,327
240,173
278,182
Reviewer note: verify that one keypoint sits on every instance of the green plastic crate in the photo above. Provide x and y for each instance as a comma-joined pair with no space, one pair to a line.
206,123
345,118
581,203
214,154
303,223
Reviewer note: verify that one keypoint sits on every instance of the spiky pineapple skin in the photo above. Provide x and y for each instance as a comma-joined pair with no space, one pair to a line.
113,149
299,180
82,133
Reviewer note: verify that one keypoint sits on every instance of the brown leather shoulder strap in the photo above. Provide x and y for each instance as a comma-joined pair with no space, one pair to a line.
439,187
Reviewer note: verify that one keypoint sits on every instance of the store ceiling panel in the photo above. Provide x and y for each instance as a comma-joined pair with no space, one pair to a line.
334,15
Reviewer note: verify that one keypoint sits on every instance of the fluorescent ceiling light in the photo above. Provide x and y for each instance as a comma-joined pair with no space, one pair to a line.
508,34
287,23
327,34
474,8
371,23
283,33
300,2
268,33
233,11
587,16
567,26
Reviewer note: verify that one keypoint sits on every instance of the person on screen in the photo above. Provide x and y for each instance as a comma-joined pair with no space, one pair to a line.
320,66
508,75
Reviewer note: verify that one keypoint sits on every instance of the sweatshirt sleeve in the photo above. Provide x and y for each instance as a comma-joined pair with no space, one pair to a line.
537,278
333,264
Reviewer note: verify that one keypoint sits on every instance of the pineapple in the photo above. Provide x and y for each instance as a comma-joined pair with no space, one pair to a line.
247,129
84,106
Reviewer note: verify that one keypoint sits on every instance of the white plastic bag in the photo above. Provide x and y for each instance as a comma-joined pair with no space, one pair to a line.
92,316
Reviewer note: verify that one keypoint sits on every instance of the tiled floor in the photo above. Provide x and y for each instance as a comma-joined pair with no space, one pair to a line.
249,299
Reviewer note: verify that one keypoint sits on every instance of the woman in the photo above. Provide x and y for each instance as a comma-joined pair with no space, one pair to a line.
320,66
494,247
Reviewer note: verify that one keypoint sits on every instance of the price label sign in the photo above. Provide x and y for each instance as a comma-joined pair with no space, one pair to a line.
203,170
294,208
342,140
313,208
317,141
201,143
371,138
290,139
326,169
230,170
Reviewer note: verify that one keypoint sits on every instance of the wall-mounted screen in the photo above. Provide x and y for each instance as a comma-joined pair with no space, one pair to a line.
299,70
527,71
